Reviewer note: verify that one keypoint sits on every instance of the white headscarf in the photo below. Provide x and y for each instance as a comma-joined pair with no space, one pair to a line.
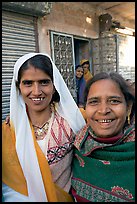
67,108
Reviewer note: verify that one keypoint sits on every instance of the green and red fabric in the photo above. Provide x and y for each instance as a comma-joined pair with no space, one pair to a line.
104,169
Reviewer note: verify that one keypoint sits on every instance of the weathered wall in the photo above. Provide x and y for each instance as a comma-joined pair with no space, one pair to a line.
80,19
75,18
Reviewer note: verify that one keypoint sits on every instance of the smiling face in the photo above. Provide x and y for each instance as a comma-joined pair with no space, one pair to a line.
85,68
79,72
106,108
36,88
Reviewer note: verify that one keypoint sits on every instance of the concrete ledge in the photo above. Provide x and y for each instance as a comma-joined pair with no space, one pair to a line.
28,8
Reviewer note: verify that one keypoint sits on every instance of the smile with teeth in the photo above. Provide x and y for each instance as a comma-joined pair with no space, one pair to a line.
105,121
38,99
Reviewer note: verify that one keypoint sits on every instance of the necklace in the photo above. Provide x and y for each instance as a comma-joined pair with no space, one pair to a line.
40,132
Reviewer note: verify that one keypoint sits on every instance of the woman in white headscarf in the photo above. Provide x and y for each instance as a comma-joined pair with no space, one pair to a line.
37,147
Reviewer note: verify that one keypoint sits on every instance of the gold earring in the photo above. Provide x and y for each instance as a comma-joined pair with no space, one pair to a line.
128,119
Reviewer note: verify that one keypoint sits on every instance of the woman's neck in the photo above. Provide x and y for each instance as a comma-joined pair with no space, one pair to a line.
38,118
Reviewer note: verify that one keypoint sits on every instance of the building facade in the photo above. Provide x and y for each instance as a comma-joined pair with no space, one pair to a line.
68,32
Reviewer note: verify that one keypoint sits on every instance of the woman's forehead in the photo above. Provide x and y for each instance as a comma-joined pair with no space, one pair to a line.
33,72
79,68
105,85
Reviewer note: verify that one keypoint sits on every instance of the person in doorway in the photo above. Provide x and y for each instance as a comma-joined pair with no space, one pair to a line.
104,155
80,87
37,144
132,84
129,81
86,67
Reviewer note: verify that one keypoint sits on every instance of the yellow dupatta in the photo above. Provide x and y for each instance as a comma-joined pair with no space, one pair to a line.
12,174
88,76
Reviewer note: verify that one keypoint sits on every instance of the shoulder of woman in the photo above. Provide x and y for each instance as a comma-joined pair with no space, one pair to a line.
61,120
61,123
6,132
80,136
5,127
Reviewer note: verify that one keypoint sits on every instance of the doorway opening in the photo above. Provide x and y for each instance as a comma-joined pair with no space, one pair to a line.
82,50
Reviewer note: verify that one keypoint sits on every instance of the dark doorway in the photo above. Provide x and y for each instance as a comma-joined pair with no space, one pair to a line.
82,50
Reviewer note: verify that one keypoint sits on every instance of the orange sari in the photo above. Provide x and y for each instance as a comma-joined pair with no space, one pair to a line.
12,174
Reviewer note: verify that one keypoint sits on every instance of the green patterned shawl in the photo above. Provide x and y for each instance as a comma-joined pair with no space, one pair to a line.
104,172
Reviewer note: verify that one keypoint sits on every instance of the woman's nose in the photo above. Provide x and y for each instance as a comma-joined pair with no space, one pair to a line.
36,89
104,108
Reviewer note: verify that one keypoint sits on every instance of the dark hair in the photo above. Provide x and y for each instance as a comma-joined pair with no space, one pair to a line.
86,62
77,66
43,63
120,81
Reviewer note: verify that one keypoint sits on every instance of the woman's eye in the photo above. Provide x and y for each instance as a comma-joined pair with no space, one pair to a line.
45,82
27,83
93,102
115,101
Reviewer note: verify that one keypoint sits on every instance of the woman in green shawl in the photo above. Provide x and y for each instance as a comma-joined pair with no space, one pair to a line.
104,155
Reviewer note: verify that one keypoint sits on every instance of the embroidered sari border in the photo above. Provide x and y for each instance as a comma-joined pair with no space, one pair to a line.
94,193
